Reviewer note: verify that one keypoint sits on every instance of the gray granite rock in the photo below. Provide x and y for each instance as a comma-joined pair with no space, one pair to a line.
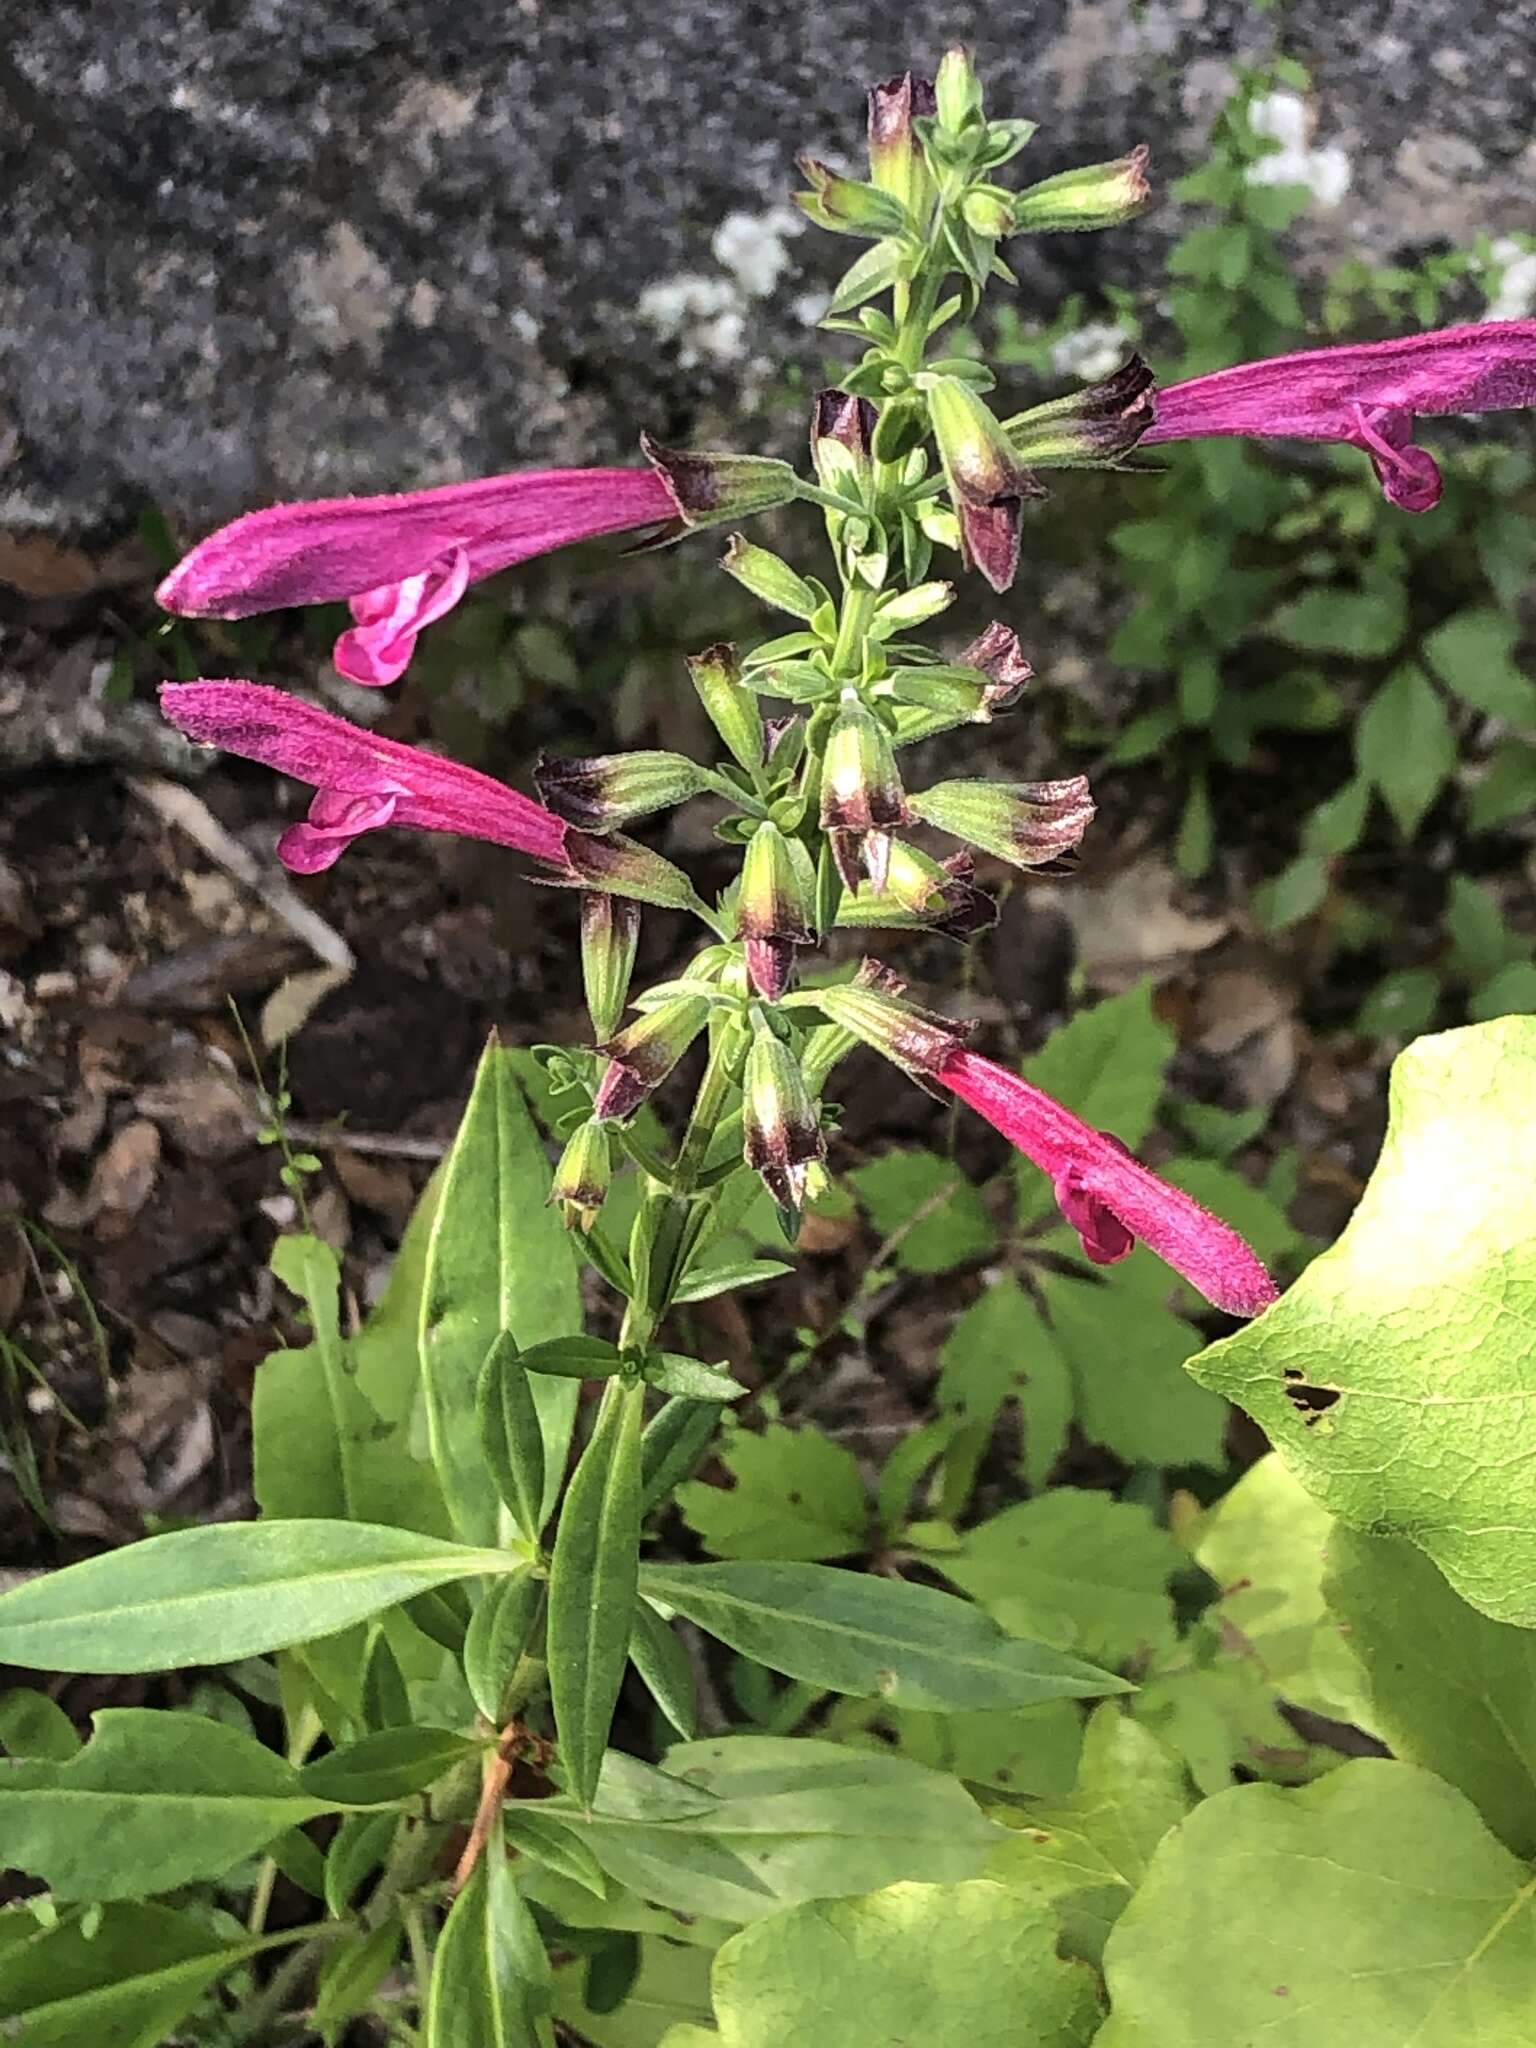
258,248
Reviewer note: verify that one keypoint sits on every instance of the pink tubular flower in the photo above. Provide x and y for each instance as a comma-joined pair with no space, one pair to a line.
361,781
1108,1197
1367,395
403,561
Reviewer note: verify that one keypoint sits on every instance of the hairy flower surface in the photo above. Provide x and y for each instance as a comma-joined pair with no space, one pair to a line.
361,781
1367,395
1109,1198
403,561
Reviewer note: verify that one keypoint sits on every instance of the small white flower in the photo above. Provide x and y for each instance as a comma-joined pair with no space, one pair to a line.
1285,118
1092,352
1516,294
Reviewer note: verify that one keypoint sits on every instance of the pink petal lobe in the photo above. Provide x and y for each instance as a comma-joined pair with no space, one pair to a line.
1108,1197
378,648
328,549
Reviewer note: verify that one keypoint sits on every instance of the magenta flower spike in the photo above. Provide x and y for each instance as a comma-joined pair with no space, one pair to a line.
1109,1198
403,561
361,782
1367,395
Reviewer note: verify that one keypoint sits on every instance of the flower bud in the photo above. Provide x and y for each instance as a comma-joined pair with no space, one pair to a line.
582,1178
623,867
849,422
778,888
779,1124
1026,823
925,895
861,794
847,206
715,489
769,577
987,481
874,1010
1093,196
988,210
957,91
901,427
1087,429
732,708
603,791
912,607
610,934
645,1052
895,157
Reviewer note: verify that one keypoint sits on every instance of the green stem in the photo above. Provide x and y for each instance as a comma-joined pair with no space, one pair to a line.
421,1953
858,609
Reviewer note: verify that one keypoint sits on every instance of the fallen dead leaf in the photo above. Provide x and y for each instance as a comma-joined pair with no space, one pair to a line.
1132,924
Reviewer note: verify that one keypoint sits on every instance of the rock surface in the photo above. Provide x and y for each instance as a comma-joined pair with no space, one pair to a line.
256,250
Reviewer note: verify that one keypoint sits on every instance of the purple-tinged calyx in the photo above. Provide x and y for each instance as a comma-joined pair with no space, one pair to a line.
403,560
732,708
780,1127
1094,428
622,866
861,795
1109,1198
1092,196
922,894
583,1176
715,487
601,792
850,422
1363,395
874,1008
988,483
895,156
1025,823
997,654
774,912
361,781
645,1052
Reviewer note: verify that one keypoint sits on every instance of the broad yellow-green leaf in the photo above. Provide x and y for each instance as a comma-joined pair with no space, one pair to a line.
946,1966
209,1596
1086,1854
1444,1685
927,1203
1370,1910
1266,1544
1397,1377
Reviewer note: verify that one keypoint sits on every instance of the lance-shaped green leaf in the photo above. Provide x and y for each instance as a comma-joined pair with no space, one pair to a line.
130,1983
745,1825
210,1596
1370,1908
153,1801
1397,1377
498,1259
491,1984
510,1435
503,1630
387,1765
663,1665
672,1444
592,1585
854,1633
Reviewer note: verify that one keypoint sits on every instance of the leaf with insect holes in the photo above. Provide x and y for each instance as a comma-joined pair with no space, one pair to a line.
1396,1377
794,1494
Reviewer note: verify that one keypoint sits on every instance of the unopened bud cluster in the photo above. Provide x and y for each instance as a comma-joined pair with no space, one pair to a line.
918,476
